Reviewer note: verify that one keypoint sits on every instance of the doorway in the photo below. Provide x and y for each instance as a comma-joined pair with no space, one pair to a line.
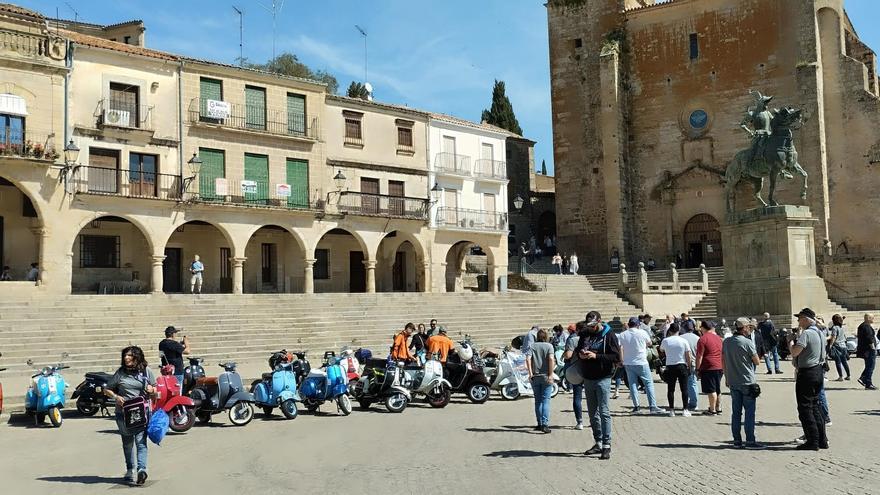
225,270
398,272
171,270
268,264
702,240
357,272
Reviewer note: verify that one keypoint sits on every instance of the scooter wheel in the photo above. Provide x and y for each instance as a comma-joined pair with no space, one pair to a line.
441,399
554,390
288,409
241,414
344,403
510,391
181,421
396,403
478,393
55,416
86,408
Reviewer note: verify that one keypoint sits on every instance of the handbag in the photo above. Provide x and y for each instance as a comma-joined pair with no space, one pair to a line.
136,414
754,391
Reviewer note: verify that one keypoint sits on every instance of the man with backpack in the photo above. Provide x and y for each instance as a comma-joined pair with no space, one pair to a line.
599,353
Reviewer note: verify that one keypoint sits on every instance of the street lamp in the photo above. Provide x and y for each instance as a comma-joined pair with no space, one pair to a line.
195,165
339,179
435,192
518,202
71,153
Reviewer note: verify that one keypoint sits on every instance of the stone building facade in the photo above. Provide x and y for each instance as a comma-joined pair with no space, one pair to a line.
647,101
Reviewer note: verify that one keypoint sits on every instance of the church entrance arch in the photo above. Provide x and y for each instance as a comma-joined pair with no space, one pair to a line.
702,241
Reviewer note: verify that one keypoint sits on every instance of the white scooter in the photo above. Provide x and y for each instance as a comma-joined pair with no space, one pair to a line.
428,380
510,376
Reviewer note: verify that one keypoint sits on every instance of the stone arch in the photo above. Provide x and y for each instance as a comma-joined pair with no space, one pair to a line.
402,263
342,262
137,223
230,239
702,241
353,232
275,259
215,246
457,278
21,230
111,255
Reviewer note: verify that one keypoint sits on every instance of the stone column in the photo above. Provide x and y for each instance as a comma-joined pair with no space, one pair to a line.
371,275
309,280
674,272
157,277
238,275
704,277
426,277
41,233
623,278
442,286
492,277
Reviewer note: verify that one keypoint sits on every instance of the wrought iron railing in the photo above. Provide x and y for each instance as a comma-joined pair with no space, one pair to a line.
451,163
120,113
460,218
126,183
237,189
383,205
267,120
25,143
490,169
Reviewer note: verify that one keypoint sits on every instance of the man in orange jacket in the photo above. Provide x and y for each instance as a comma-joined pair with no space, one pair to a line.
440,344
400,349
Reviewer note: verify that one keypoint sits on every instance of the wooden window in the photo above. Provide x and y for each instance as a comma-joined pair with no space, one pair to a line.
124,99
142,174
209,89
103,170
694,46
396,189
296,114
370,204
404,137
213,168
298,179
354,133
98,251
321,270
255,107
12,137
256,169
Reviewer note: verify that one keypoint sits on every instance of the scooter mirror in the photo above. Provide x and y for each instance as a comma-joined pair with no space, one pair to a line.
29,362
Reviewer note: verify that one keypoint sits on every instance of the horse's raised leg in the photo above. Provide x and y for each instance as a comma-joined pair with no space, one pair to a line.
800,170
773,178
758,182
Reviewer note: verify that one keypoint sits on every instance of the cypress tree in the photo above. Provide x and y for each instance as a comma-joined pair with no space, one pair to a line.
501,113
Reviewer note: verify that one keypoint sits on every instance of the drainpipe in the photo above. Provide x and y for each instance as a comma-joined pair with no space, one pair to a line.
431,177
180,126
68,64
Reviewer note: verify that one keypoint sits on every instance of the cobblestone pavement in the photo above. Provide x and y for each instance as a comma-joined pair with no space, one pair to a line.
467,449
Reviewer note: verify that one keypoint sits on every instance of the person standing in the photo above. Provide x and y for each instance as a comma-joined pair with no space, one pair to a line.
540,364
664,327
634,343
599,353
195,282
418,344
867,350
645,324
808,353
837,347
174,351
692,339
133,379
439,346
739,358
710,366
400,348
573,266
767,334
678,363
34,273
557,261
571,359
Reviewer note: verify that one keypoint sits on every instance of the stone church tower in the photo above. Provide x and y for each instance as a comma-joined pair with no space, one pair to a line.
647,102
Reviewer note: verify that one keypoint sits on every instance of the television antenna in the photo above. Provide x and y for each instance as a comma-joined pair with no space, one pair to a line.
364,34
275,10
75,13
240,35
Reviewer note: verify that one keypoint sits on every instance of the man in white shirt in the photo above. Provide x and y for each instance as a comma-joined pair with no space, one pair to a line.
634,343
679,360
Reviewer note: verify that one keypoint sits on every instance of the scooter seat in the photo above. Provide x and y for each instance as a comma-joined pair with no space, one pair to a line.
97,375
267,376
207,380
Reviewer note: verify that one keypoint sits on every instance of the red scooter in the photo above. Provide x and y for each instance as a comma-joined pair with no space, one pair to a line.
180,408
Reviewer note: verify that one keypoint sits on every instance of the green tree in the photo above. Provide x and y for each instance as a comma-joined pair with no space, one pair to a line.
357,90
501,113
543,167
288,64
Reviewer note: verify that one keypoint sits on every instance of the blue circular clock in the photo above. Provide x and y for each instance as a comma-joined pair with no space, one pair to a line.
699,119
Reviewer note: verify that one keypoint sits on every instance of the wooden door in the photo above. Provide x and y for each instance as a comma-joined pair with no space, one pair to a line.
172,271
450,203
213,168
369,204
488,217
256,169
398,272
225,270
298,179
142,174
103,170
209,89
268,263
702,237
296,114
357,272
255,108
396,204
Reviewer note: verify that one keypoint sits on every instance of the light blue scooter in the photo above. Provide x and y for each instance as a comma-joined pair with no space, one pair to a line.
45,394
278,388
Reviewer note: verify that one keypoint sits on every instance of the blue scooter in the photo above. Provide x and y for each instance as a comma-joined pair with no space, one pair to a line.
45,394
278,387
327,383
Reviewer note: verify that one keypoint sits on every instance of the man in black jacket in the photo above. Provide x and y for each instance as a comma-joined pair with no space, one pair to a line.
866,349
599,353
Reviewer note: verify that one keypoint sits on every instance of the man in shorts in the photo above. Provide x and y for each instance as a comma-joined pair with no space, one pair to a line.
709,365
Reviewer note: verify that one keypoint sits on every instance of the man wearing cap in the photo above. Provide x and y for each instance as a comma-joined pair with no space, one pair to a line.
174,351
739,358
767,334
599,352
808,353
634,343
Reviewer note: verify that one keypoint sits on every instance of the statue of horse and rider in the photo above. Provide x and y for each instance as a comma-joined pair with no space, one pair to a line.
771,154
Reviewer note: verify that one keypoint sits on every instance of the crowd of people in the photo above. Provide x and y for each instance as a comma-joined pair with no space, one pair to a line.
596,359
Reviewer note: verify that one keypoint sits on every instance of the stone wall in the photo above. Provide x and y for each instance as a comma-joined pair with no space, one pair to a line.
855,283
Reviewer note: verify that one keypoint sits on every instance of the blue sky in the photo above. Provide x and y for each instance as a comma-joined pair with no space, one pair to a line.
438,55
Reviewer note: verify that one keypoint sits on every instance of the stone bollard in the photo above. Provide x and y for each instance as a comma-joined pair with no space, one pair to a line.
704,276
622,279
642,283
674,276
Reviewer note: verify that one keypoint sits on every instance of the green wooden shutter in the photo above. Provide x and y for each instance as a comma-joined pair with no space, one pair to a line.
209,89
256,168
298,178
296,114
255,108
213,167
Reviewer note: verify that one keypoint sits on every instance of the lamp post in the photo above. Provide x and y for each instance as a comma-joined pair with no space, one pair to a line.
339,179
518,202
71,153
195,166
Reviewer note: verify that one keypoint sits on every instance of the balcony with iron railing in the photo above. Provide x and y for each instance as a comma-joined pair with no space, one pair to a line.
235,189
465,219
381,205
249,118
452,164
126,183
124,114
490,169
25,143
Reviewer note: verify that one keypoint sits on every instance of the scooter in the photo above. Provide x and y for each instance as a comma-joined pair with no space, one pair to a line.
45,394
380,381
278,388
509,375
89,394
327,383
464,370
428,380
350,364
215,394
180,408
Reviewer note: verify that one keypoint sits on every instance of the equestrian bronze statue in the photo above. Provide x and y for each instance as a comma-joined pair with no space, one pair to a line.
771,154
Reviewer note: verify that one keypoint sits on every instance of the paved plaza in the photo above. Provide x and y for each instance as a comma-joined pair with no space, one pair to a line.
466,449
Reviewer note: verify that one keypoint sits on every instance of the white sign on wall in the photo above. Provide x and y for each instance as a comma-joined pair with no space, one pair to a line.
282,190
217,109
249,187
221,186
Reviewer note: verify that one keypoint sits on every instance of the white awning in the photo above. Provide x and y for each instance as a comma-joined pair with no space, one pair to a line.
13,105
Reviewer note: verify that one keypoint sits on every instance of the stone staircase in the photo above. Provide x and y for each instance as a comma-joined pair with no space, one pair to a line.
579,287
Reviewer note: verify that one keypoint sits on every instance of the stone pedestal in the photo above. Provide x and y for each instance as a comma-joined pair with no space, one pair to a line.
770,263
